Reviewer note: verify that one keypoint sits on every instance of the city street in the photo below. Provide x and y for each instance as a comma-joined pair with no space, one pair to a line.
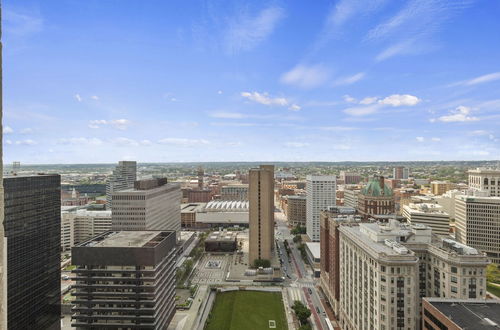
298,274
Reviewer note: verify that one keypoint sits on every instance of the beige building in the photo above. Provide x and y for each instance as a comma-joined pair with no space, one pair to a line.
150,205
478,224
234,192
385,270
430,215
80,225
351,198
296,210
261,212
486,180
440,187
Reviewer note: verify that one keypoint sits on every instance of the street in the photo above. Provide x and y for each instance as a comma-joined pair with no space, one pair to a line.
298,274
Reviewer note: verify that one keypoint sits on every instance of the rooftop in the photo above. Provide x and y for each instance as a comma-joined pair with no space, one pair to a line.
426,208
469,314
227,205
314,247
125,239
222,236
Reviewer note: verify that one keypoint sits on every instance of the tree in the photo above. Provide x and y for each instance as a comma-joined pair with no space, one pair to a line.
301,311
297,238
305,327
261,263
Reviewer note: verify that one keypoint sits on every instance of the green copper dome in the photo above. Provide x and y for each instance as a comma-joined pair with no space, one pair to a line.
374,189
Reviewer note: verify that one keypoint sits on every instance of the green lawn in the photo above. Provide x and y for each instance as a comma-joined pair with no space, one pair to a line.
493,289
246,310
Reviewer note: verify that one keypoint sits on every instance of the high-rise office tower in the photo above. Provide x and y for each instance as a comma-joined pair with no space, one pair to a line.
33,233
477,223
201,174
3,243
321,193
485,180
350,177
400,173
150,205
123,177
125,280
261,212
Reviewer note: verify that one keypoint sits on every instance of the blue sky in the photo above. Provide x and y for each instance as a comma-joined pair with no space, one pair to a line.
161,81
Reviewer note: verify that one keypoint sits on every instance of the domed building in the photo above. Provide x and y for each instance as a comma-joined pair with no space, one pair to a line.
376,198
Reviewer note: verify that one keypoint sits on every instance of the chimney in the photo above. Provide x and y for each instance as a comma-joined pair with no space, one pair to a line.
382,184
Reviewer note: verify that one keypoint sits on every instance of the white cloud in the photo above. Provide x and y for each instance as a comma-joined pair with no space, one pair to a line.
26,130
27,142
21,25
123,141
78,98
263,98
405,47
342,147
80,141
8,130
349,99
95,97
181,142
146,142
435,139
8,141
362,111
420,138
350,79
219,92
296,144
228,115
368,100
481,79
460,114
120,124
294,107
397,100
246,32
306,76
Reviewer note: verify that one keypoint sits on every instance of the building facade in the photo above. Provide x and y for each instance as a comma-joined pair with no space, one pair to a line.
440,187
234,192
477,222
123,177
125,280
384,271
261,213
349,177
32,230
376,199
351,198
321,193
430,215
296,210
80,225
487,180
150,205
400,173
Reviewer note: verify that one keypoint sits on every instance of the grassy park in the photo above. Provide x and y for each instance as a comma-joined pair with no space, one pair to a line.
247,310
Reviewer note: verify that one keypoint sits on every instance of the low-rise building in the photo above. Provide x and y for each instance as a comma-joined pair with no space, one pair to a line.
221,241
234,192
430,215
351,198
125,280
440,187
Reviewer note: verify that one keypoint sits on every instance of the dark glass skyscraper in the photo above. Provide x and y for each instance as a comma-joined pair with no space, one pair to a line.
33,232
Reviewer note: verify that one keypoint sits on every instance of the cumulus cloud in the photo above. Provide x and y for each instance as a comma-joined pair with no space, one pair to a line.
435,139
397,100
120,124
264,98
182,142
349,99
8,130
294,107
123,141
27,142
362,111
368,100
95,97
245,32
420,138
80,141
460,114
78,98
8,141
306,76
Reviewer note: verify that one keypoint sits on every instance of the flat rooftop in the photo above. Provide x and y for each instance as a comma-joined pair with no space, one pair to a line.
123,239
478,314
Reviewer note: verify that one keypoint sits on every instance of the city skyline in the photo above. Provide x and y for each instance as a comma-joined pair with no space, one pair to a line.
398,81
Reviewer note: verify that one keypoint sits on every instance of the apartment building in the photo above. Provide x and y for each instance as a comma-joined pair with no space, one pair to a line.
351,198
430,215
151,205
400,173
349,177
296,210
125,280
321,193
385,269
477,221
487,180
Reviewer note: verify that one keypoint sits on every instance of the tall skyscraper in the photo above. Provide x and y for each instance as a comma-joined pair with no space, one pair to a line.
485,180
477,223
125,280
321,193
201,174
261,212
150,205
400,173
33,233
123,177
3,242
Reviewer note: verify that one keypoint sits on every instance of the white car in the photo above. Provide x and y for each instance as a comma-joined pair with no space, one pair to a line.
65,277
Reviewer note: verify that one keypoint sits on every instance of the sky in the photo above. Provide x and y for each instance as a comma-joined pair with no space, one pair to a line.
99,81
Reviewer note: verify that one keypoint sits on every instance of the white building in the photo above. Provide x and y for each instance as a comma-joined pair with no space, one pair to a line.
478,224
351,198
151,205
123,177
486,180
79,225
430,215
385,270
447,201
321,192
